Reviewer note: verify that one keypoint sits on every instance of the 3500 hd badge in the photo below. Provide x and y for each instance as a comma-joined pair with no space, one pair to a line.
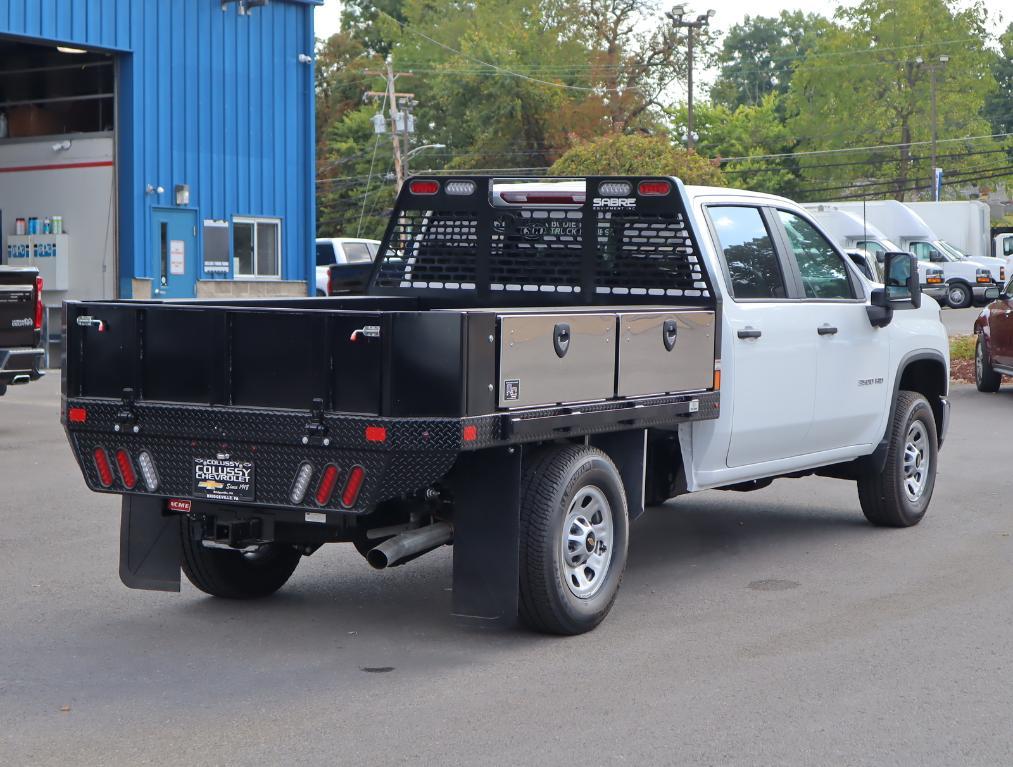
222,479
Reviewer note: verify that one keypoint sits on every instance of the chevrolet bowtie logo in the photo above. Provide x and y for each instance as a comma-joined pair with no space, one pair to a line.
210,484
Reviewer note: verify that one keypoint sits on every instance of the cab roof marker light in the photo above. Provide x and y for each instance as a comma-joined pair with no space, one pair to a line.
301,484
460,188
615,189
424,187
654,188
148,472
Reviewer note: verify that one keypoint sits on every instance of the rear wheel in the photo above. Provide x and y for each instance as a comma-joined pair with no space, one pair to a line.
237,574
3,389
958,295
899,495
985,377
573,535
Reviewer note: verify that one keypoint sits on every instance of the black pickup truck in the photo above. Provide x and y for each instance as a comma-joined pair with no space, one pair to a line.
21,312
532,363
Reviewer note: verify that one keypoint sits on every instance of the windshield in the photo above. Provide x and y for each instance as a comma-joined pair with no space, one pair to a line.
953,250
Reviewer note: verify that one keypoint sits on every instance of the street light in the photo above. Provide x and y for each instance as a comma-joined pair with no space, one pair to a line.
676,15
938,64
409,155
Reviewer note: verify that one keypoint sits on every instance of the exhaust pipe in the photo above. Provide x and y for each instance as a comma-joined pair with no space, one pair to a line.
408,545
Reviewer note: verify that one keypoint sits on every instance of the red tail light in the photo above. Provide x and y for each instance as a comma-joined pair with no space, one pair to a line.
126,467
38,303
105,471
654,188
424,187
327,482
469,433
352,487
77,415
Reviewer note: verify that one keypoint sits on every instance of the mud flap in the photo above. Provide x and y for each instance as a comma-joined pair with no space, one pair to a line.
628,451
149,545
487,490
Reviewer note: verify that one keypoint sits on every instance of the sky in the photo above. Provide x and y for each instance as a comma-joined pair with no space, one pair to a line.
729,12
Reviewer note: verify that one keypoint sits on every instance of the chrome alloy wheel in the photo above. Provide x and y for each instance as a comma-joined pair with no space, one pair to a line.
587,540
957,295
917,461
979,360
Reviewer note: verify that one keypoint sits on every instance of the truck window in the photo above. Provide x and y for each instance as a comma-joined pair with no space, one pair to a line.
748,252
356,253
325,254
926,251
871,246
823,272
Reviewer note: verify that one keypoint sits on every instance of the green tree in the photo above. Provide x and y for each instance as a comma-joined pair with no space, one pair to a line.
747,133
363,21
758,56
999,104
619,154
863,85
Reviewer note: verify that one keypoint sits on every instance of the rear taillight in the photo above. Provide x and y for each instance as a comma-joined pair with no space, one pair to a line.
148,471
654,188
105,470
77,415
38,303
376,434
424,187
126,467
327,482
352,487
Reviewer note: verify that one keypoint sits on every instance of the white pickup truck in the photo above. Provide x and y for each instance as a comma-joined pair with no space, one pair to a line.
533,364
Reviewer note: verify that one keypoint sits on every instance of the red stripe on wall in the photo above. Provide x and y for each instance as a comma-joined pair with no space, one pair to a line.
65,166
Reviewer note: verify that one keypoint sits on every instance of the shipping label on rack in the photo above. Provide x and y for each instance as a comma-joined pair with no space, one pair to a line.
45,249
18,250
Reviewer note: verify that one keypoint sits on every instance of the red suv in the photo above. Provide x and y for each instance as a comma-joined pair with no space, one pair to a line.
993,352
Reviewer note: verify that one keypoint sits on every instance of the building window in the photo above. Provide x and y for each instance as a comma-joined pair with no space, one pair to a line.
256,248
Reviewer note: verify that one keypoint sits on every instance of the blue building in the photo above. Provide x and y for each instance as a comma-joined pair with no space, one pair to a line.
158,148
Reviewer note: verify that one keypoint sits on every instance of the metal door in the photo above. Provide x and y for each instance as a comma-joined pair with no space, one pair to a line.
174,244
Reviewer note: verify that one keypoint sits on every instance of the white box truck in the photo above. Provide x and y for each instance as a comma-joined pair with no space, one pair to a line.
854,235
968,281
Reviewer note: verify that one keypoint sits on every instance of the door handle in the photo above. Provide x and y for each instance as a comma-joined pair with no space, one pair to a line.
749,332
827,330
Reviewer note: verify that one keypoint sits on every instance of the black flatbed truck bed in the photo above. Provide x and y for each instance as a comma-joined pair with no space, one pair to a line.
411,402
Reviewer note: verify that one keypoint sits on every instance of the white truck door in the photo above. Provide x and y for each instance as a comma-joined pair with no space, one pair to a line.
772,373
852,357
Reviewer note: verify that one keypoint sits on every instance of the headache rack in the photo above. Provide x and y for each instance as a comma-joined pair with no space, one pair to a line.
488,241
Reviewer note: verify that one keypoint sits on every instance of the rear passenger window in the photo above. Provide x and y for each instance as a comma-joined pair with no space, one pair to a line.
748,252
824,274
356,253
325,254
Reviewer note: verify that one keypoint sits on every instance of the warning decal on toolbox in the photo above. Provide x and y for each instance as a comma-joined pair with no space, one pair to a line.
222,479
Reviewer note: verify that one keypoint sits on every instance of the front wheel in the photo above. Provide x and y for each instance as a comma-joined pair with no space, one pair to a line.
574,530
233,574
958,295
985,377
899,495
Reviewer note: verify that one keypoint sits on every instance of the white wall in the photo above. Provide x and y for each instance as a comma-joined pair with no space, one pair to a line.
85,197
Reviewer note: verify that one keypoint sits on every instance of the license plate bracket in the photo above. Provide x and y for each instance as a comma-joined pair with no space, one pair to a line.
223,479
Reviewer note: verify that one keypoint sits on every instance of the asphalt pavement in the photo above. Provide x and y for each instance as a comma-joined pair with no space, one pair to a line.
765,628
960,322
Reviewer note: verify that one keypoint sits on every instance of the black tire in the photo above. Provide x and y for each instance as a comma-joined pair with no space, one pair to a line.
885,498
959,295
320,294
985,377
233,574
3,389
553,480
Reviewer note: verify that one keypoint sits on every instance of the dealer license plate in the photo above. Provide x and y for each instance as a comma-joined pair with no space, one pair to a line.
222,479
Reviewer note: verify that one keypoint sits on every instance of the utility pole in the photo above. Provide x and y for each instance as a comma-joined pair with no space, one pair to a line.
392,96
941,62
676,15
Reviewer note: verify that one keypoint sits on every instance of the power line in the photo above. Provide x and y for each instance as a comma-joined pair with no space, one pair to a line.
813,152
963,179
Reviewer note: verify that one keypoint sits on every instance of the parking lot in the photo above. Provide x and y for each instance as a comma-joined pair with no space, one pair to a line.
773,627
